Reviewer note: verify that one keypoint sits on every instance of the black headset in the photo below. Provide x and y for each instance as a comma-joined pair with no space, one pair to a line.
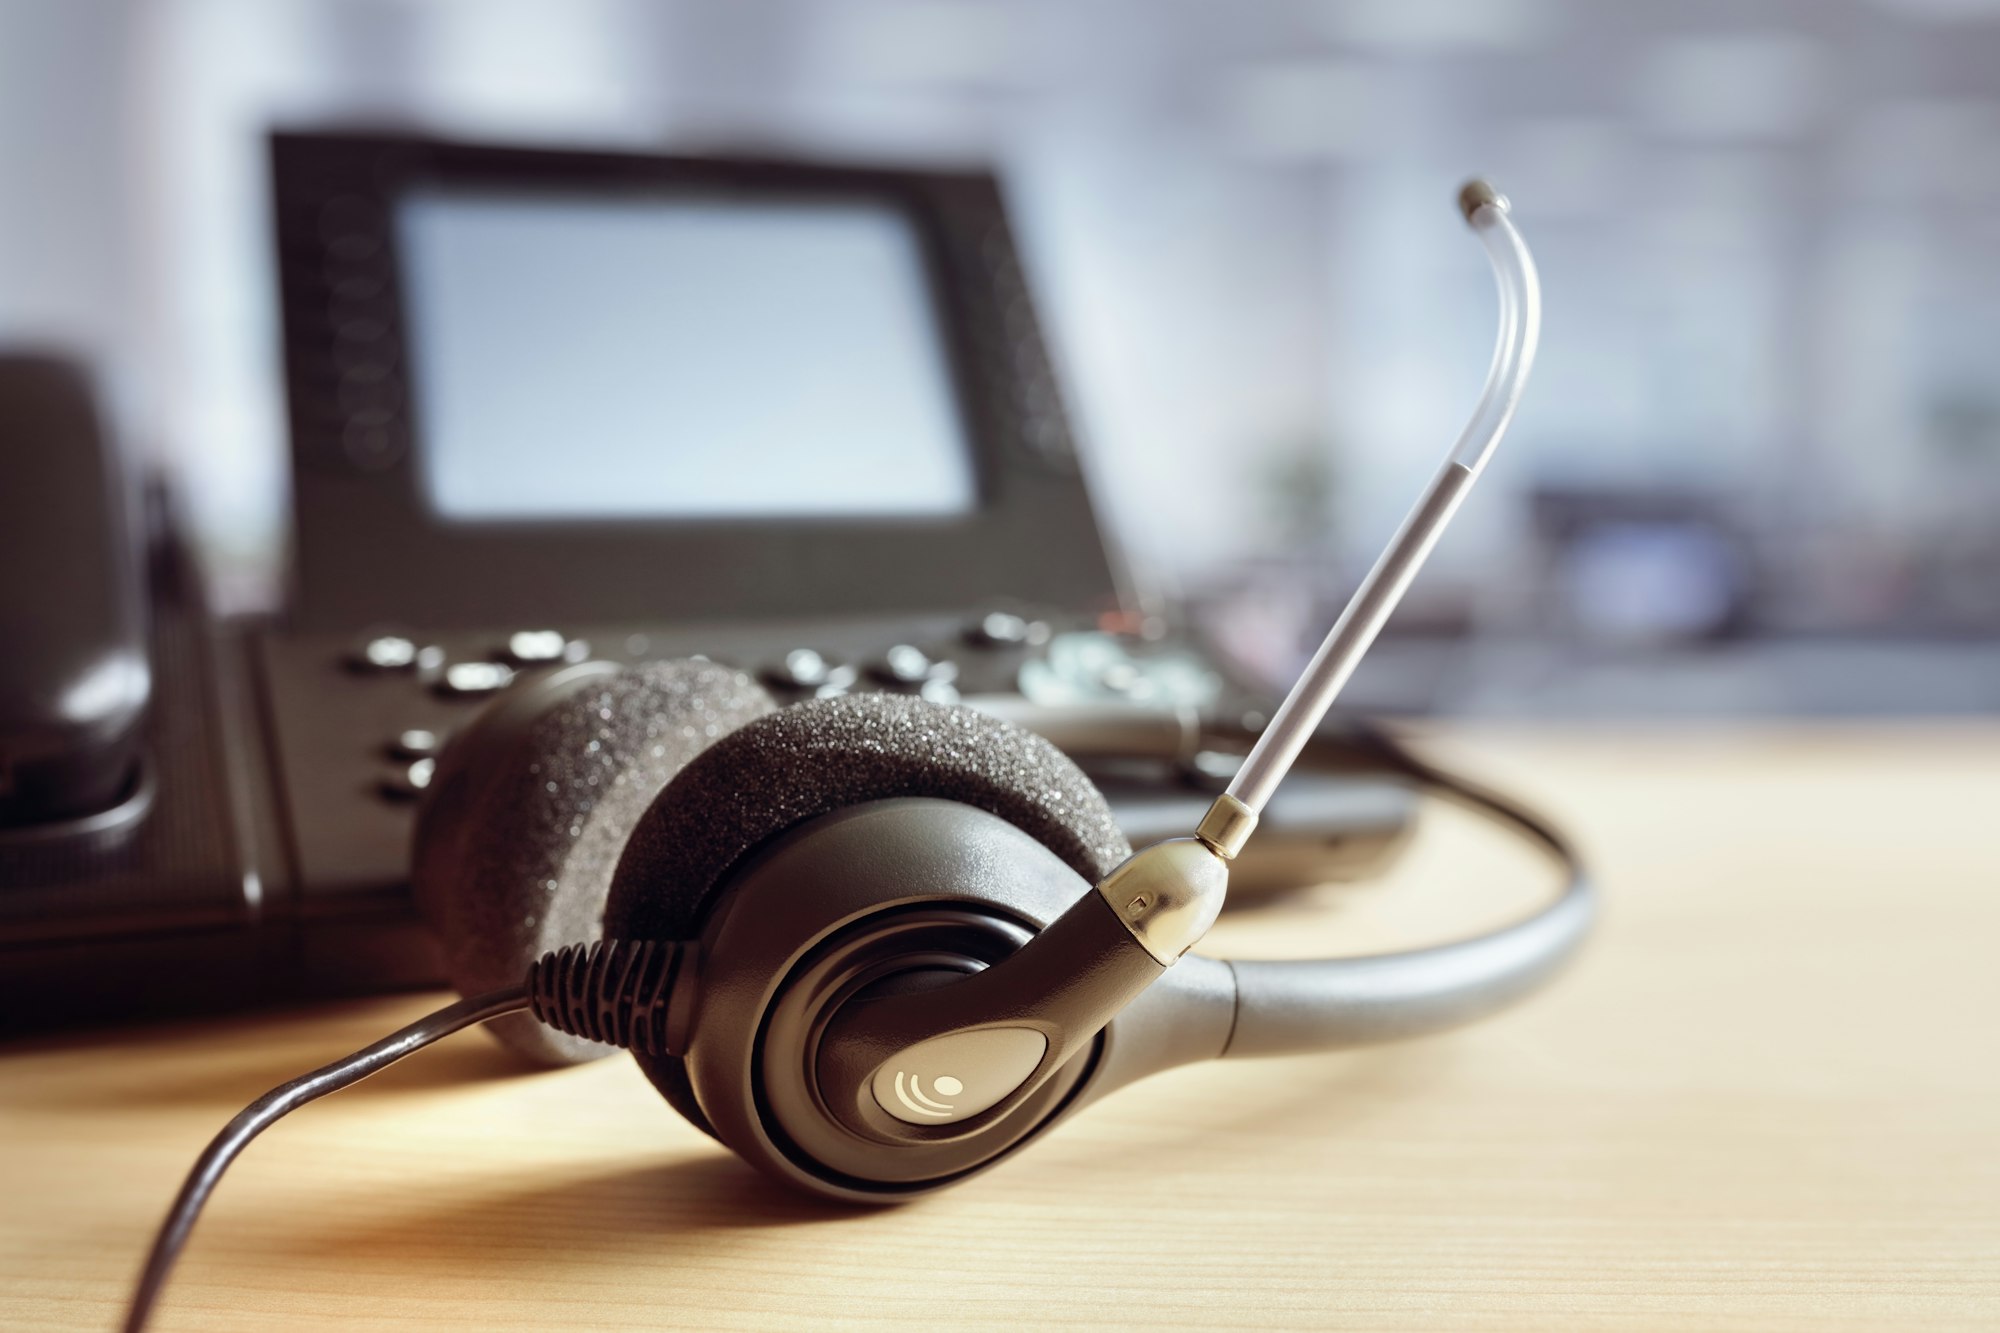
875,944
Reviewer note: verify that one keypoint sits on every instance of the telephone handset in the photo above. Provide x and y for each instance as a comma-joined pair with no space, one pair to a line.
75,680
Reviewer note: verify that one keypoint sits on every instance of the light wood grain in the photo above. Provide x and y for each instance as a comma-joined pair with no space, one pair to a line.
1767,1098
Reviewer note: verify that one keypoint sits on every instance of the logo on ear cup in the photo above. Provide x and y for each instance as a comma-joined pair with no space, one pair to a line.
988,1065
913,1096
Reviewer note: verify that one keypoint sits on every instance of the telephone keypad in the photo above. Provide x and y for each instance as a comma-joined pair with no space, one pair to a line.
447,674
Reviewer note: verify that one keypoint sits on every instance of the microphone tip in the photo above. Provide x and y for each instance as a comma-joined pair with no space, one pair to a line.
1476,194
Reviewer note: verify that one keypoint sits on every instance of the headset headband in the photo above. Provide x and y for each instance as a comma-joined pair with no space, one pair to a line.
1328,1003
1325,1004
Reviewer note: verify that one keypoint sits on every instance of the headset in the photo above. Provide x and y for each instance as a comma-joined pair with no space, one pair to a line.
875,944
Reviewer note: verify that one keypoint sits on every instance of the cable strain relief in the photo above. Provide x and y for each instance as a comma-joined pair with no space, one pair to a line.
619,992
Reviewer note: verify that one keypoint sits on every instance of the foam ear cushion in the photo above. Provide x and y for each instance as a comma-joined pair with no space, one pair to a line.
820,756
533,806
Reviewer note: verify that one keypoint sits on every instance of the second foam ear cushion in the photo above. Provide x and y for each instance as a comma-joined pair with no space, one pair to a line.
533,804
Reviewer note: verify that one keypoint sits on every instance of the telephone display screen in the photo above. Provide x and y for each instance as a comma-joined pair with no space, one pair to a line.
676,357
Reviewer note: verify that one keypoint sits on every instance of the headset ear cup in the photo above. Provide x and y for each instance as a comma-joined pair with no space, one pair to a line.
820,756
531,808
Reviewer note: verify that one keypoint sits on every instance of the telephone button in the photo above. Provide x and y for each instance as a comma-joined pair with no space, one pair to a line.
386,652
416,743
807,669
533,647
904,664
838,682
1004,629
410,783
997,629
471,679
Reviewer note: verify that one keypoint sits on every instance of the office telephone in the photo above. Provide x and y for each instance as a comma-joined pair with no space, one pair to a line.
549,408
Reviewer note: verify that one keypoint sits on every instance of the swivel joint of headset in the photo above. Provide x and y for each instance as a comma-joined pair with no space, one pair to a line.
1168,895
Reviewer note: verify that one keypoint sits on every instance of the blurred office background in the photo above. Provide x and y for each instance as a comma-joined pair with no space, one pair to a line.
1758,470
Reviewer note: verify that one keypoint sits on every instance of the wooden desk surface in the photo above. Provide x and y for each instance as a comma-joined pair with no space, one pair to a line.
1768,1097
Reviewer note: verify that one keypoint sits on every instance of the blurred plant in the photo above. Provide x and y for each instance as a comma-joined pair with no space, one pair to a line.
1295,490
